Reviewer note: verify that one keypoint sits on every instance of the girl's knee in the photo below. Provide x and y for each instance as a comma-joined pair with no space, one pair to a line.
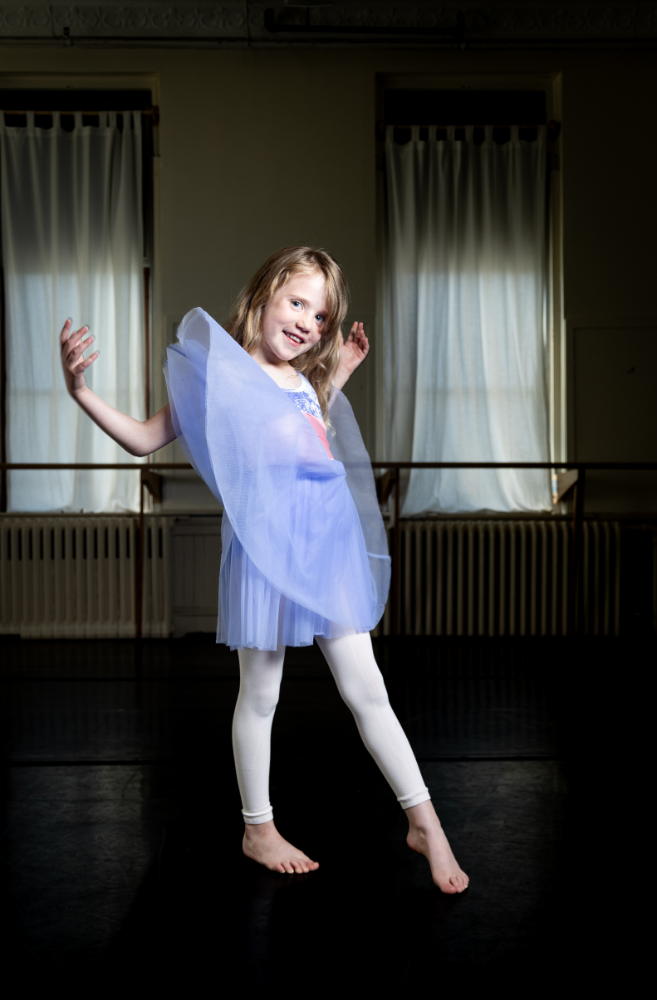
260,680
259,695
356,672
361,697
263,701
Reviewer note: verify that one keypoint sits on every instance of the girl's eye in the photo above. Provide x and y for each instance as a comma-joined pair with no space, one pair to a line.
320,318
295,302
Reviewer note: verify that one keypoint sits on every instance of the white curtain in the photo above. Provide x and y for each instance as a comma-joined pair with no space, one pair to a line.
465,318
72,246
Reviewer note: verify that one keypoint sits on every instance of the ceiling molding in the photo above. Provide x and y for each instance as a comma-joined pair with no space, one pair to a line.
373,23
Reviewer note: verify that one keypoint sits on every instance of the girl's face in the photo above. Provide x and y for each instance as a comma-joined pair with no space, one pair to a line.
295,317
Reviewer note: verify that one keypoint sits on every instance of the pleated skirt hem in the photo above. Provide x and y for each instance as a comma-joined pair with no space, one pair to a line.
254,615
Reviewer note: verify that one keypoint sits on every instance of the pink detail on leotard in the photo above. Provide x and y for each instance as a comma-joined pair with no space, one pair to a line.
320,430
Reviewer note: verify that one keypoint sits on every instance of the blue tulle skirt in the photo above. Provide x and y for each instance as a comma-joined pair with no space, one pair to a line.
304,546
253,613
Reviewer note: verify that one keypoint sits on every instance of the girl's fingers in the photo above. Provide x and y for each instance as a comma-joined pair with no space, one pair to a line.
66,329
79,346
363,342
83,343
89,361
80,334
69,345
67,336
356,328
83,365
77,335
79,364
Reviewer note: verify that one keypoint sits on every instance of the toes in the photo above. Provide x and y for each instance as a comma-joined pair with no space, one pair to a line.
455,883
304,864
308,865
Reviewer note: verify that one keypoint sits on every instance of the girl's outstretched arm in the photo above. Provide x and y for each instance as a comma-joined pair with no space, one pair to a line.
136,436
353,352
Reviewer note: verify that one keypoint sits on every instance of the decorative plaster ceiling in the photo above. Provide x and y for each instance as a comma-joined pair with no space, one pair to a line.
236,23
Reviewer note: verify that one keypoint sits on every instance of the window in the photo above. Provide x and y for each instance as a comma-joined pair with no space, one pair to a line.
76,216
465,288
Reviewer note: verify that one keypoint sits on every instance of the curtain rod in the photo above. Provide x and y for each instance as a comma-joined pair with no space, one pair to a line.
553,128
153,112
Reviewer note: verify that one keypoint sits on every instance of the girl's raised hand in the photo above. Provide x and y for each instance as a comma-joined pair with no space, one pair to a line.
354,349
73,344
138,437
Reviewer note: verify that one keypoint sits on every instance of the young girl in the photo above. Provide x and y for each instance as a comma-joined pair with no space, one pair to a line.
259,414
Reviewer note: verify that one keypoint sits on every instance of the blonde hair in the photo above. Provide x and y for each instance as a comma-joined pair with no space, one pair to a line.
245,324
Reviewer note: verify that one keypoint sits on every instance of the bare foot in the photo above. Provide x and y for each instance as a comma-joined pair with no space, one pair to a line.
264,844
426,836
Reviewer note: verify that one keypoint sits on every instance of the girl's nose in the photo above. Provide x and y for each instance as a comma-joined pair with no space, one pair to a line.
303,322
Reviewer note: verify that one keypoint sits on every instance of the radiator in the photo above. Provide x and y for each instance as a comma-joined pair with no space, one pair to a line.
196,562
74,577
64,577
498,578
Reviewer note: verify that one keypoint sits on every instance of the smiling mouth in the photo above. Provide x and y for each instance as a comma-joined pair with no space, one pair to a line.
293,337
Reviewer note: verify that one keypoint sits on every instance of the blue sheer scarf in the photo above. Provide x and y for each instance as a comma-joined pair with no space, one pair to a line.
296,523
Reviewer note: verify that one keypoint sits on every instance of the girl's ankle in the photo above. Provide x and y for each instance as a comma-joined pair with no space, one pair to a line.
257,830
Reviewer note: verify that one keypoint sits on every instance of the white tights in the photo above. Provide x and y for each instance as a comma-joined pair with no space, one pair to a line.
359,680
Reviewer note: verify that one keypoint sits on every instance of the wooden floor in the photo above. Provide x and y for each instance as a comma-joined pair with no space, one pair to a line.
121,816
